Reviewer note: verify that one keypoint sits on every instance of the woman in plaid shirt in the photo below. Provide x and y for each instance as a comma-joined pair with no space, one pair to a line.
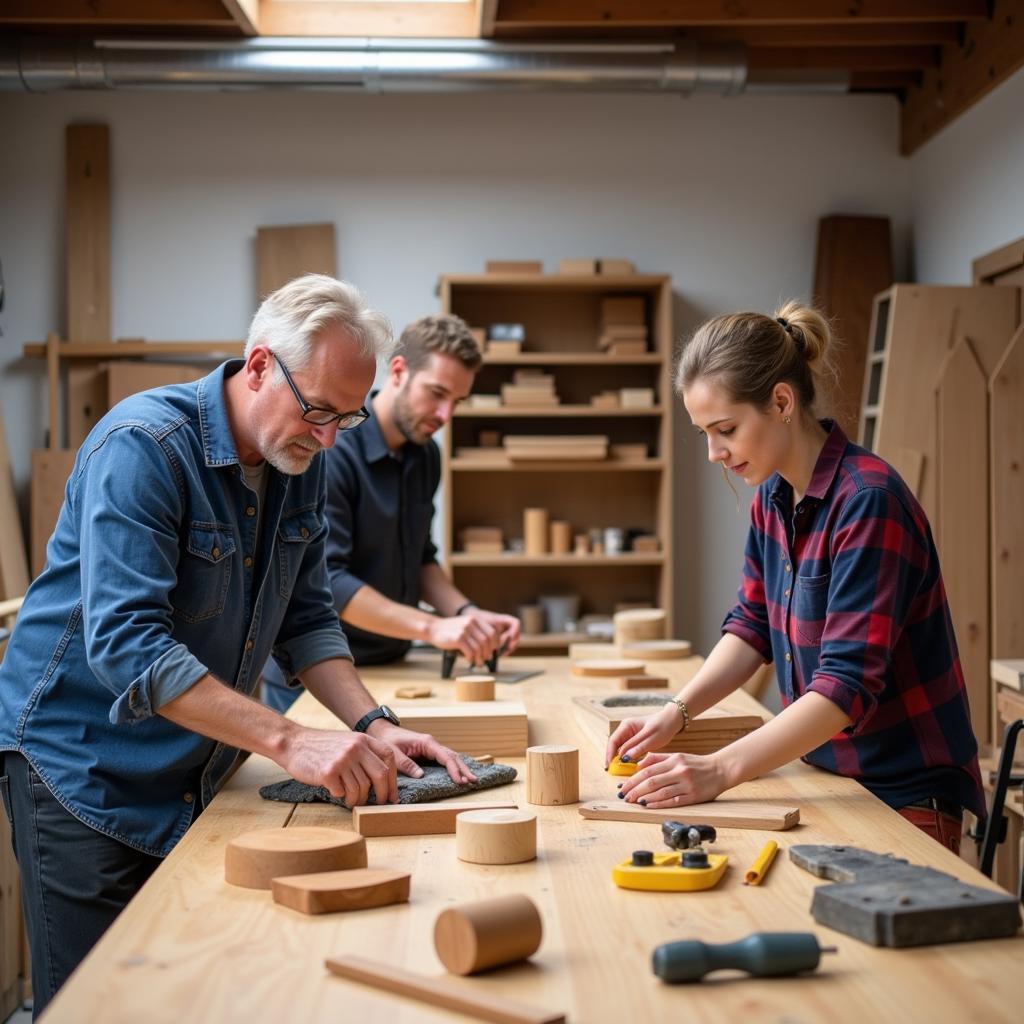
841,588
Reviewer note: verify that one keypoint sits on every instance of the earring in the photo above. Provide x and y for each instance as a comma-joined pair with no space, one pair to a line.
787,419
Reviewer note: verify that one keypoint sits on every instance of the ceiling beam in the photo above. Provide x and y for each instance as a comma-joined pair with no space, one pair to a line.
102,13
920,33
989,54
245,14
658,13
347,18
883,81
847,58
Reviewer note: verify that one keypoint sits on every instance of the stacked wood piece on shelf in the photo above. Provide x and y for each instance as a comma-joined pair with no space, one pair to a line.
934,354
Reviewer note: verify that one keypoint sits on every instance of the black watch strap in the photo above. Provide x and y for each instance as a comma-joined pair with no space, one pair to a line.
371,716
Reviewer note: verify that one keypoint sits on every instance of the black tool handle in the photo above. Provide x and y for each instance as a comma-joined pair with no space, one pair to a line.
763,954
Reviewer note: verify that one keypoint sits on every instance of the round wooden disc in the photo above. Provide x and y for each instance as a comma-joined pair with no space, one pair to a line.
657,650
253,859
608,667
480,687
496,836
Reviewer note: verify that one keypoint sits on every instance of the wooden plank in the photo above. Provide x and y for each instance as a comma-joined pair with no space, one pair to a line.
720,813
1008,671
53,438
961,406
14,577
1006,476
85,399
438,992
416,819
50,471
854,263
495,727
991,51
650,13
88,232
97,14
985,269
388,18
851,58
849,33
284,253
115,349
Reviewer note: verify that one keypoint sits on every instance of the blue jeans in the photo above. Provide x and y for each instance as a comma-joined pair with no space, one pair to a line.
74,880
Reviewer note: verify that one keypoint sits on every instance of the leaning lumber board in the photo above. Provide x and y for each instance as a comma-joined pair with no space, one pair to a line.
416,819
721,814
13,561
289,251
439,992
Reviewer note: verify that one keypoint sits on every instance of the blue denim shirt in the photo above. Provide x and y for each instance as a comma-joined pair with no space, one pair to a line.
155,577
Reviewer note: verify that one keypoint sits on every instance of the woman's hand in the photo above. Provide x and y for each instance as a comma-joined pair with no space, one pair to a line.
636,736
673,780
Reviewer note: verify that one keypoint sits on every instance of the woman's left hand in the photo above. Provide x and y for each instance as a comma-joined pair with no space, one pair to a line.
673,780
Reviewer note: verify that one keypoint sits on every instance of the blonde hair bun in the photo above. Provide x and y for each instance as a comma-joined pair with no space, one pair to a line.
807,327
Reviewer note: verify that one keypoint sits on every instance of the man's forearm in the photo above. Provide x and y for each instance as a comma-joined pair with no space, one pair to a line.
369,609
439,591
336,684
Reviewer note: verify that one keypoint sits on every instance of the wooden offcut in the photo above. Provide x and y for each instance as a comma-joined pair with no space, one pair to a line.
599,667
497,727
474,937
430,819
496,837
552,775
327,892
88,232
438,992
254,859
289,251
721,814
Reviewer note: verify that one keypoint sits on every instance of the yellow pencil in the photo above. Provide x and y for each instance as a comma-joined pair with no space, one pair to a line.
757,871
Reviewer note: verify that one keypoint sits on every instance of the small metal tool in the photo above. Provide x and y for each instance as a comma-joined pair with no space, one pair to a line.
680,836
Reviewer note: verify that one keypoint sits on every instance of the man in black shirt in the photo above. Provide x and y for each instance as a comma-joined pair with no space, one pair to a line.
381,480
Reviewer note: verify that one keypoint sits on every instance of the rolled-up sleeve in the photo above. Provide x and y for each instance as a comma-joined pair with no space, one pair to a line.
129,555
748,618
879,560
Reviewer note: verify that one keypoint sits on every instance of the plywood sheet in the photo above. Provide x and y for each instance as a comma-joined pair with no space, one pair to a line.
50,470
13,562
88,232
287,252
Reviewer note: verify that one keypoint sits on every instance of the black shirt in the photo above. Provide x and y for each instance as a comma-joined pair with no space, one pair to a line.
380,506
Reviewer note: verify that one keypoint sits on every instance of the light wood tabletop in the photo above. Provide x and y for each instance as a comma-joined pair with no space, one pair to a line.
192,946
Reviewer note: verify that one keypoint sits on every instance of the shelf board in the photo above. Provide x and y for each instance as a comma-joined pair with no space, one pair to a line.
598,465
573,359
557,282
511,560
103,349
553,412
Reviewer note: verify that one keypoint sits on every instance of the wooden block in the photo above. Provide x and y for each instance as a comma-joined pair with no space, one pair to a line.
254,859
657,650
721,814
13,561
503,348
85,398
532,618
535,531
636,398
577,267
480,547
552,775
478,687
489,438
514,267
474,937
607,667
605,401
626,348
496,727
612,267
286,252
51,468
429,819
642,682
1008,671
330,891
482,401
438,992
560,536
88,233
496,837
485,533
414,692
646,543
639,624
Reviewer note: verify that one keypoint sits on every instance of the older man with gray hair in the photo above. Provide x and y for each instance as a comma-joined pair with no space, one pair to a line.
190,547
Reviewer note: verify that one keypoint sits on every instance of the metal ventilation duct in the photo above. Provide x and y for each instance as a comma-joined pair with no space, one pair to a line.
368,65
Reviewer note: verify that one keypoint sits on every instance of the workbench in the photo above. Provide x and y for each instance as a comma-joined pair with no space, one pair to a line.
190,946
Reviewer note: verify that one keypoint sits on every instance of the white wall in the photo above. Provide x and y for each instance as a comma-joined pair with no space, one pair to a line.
724,195
968,187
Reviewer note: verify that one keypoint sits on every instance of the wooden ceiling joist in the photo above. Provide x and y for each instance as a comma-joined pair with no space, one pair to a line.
991,51
887,58
654,13
103,13
917,33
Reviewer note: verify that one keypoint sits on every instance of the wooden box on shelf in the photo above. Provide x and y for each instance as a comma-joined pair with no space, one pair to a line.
623,484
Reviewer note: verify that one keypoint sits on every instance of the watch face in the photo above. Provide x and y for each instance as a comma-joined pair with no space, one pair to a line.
390,715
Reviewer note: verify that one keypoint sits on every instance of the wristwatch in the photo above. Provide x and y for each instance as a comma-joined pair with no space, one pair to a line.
371,716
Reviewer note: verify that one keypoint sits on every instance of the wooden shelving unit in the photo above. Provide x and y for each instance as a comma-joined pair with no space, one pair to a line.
562,319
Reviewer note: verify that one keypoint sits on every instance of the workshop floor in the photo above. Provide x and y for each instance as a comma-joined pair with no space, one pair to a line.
22,1015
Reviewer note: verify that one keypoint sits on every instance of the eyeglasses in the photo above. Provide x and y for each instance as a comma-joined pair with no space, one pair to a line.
317,414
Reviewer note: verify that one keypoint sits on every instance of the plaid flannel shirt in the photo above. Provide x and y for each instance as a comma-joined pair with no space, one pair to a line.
845,595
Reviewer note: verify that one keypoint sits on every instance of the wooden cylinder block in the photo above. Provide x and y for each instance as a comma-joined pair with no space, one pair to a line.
486,934
561,537
552,775
535,531
532,618
581,544
253,859
474,688
496,837
639,624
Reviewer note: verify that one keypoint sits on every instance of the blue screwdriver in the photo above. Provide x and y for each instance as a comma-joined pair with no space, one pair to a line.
763,954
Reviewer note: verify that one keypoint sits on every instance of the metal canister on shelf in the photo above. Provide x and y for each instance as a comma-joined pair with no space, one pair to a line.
614,540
